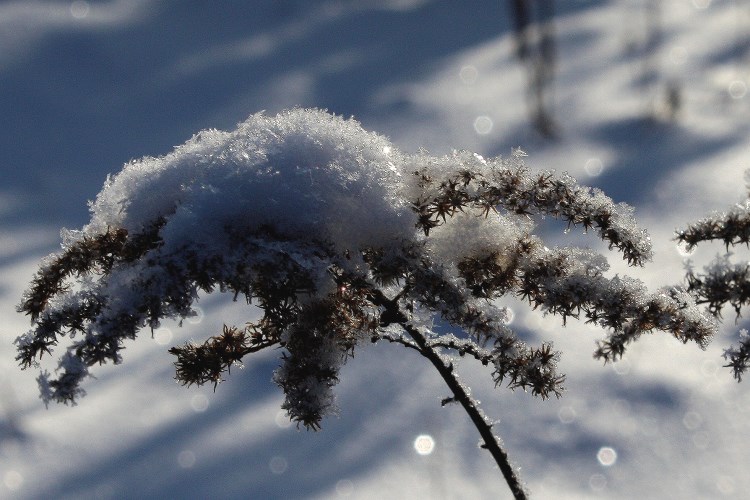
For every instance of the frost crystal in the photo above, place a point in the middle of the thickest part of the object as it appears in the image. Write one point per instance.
(722, 282)
(307, 174)
(338, 237)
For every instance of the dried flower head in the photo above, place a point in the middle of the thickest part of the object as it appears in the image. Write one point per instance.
(338, 237)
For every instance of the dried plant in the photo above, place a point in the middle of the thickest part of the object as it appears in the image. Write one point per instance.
(723, 282)
(340, 239)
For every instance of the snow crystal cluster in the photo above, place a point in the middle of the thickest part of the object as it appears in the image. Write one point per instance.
(723, 282)
(338, 236)
(307, 174)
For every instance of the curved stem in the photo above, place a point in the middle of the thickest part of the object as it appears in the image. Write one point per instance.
(491, 442)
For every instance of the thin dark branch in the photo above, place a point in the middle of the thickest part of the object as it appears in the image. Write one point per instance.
(462, 347)
(398, 339)
(491, 442)
(260, 346)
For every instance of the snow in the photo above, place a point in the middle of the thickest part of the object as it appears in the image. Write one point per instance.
(303, 193)
(82, 100)
(306, 173)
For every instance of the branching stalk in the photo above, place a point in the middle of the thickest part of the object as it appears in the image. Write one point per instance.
(491, 442)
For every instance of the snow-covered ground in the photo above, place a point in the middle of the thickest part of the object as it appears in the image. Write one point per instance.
(87, 86)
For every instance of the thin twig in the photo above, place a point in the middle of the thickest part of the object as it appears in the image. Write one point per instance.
(491, 442)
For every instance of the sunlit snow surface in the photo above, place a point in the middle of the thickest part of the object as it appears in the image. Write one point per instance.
(89, 86)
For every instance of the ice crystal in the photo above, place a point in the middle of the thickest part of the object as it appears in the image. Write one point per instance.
(339, 237)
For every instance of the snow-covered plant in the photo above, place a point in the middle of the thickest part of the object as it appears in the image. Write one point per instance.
(340, 239)
(723, 282)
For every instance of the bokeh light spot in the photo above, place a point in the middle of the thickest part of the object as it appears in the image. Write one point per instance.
(199, 403)
(278, 465)
(737, 89)
(424, 444)
(163, 336)
(79, 9)
(344, 488)
(197, 316)
(186, 459)
(566, 414)
(621, 366)
(700, 440)
(483, 125)
(725, 485)
(692, 420)
(593, 167)
(282, 420)
(606, 456)
(468, 74)
(13, 480)
(597, 482)
(678, 55)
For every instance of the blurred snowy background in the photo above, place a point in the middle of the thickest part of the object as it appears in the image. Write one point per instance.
(649, 102)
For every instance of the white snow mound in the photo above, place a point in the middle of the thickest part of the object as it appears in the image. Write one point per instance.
(304, 172)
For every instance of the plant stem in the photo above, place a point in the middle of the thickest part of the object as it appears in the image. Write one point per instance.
(491, 442)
